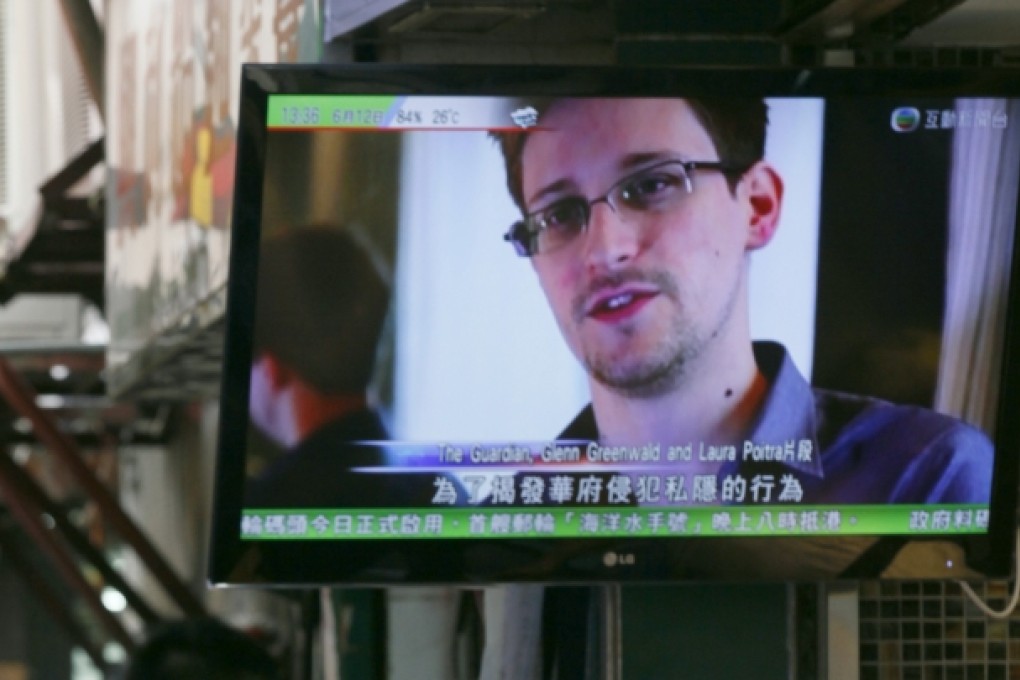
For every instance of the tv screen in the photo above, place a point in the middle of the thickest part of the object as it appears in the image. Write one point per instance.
(579, 324)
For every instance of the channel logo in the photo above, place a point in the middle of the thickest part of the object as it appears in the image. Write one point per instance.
(905, 119)
(526, 117)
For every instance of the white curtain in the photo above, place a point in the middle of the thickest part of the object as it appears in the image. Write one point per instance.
(982, 215)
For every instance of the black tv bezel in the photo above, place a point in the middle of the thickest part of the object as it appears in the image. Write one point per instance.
(443, 561)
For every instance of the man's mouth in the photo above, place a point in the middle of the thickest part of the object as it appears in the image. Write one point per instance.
(616, 306)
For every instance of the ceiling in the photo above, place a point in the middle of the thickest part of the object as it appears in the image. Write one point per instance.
(673, 31)
(993, 23)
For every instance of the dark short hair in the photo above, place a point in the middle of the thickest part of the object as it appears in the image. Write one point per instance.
(736, 126)
(321, 304)
(202, 648)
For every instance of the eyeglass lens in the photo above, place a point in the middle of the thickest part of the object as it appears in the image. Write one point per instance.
(655, 189)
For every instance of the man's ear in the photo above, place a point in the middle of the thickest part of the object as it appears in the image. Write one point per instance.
(764, 190)
(278, 374)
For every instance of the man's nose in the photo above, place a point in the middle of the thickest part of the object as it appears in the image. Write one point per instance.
(609, 241)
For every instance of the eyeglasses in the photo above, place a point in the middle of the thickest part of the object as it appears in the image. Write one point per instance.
(655, 189)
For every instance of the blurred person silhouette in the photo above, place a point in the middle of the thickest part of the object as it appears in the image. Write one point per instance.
(321, 307)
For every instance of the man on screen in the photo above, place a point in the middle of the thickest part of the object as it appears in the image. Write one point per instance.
(640, 217)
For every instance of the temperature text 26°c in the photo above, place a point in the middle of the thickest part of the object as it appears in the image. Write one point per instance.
(445, 117)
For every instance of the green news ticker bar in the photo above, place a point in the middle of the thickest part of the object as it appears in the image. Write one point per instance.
(603, 522)
(326, 111)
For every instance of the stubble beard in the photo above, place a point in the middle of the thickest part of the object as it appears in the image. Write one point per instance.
(666, 365)
(655, 374)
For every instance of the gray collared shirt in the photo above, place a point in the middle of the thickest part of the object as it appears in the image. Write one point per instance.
(845, 448)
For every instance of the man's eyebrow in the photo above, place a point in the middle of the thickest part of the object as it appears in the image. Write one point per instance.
(629, 162)
(637, 160)
(558, 187)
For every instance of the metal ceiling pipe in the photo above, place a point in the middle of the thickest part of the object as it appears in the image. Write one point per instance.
(21, 398)
(36, 496)
(31, 521)
(56, 606)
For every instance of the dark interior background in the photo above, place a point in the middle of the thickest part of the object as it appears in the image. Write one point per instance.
(882, 249)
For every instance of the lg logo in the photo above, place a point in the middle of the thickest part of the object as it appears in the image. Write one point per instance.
(611, 559)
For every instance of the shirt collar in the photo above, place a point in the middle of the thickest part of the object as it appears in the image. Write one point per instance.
(788, 411)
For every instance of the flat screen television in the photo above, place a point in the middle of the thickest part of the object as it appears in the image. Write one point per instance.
(588, 324)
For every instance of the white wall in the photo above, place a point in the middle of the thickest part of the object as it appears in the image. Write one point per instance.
(784, 274)
(479, 356)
